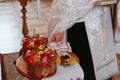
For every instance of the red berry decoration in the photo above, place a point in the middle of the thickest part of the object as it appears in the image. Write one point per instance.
(40, 59)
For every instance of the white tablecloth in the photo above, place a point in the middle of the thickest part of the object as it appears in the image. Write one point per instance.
(73, 72)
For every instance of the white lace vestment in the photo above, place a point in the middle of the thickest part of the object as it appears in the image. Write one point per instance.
(117, 29)
(99, 30)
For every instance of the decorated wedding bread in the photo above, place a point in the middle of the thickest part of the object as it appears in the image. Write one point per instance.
(40, 59)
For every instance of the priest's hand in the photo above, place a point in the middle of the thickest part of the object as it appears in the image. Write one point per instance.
(57, 37)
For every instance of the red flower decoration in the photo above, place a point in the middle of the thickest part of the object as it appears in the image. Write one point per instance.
(45, 61)
(43, 40)
(37, 43)
(30, 58)
(26, 45)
